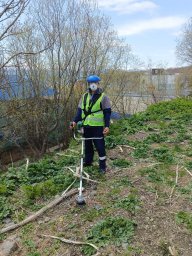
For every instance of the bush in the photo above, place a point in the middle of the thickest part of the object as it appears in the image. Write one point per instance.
(114, 230)
(163, 155)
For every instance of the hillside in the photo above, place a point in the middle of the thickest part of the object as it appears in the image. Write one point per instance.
(141, 207)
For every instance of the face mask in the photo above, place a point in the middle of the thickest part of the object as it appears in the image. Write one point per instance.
(93, 87)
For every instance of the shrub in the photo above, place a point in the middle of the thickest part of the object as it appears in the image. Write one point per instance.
(114, 230)
(163, 155)
(184, 218)
(130, 203)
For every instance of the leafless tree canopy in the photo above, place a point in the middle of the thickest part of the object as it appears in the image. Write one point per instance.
(10, 13)
(55, 46)
(184, 45)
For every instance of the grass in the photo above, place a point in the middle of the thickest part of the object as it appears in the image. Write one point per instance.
(122, 163)
(112, 211)
(130, 203)
(184, 218)
(112, 230)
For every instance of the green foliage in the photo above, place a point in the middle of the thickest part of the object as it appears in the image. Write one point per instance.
(47, 168)
(163, 155)
(187, 190)
(47, 188)
(3, 189)
(127, 126)
(5, 208)
(141, 150)
(188, 152)
(130, 203)
(41, 180)
(177, 148)
(114, 230)
(182, 136)
(88, 250)
(135, 124)
(179, 108)
(158, 175)
(92, 214)
(189, 165)
(112, 141)
(31, 246)
(155, 138)
(122, 163)
(184, 218)
(124, 181)
(132, 251)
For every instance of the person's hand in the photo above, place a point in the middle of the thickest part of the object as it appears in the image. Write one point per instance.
(72, 125)
(106, 130)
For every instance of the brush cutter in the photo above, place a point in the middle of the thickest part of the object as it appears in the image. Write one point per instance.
(80, 199)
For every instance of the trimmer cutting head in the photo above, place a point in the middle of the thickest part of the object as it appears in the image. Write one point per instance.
(80, 200)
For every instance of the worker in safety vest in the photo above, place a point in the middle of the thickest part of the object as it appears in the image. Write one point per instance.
(94, 111)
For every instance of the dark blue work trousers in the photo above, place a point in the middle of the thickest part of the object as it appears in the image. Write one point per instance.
(97, 132)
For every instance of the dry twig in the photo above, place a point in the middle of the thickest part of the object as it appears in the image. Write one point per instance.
(176, 180)
(120, 148)
(27, 164)
(126, 146)
(68, 241)
(188, 171)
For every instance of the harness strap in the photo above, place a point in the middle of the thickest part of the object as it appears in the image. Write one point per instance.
(91, 103)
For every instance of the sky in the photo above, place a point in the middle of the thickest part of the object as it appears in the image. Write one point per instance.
(150, 27)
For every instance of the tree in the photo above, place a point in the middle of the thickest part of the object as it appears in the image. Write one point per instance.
(10, 13)
(82, 41)
(184, 44)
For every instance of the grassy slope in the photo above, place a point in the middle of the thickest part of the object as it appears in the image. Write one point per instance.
(137, 208)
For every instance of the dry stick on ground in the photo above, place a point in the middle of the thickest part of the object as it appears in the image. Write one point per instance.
(152, 164)
(188, 171)
(126, 146)
(176, 180)
(120, 148)
(86, 174)
(73, 242)
(27, 164)
(172, 251)
(62, 154)
(42, 210)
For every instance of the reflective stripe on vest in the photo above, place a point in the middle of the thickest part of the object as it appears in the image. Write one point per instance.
(93, 119)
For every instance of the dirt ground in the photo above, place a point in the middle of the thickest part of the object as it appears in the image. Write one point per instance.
(156, 231)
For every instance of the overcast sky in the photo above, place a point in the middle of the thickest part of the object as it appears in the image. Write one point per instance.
(149, 26)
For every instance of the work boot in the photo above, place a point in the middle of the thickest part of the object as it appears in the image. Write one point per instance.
(102, 171)
(102, 165)
(87, 164)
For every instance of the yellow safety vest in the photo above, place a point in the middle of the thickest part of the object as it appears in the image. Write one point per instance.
(92, 113)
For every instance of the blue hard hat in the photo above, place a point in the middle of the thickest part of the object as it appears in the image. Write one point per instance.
(93, 79)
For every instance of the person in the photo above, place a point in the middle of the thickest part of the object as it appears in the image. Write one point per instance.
(94, 110)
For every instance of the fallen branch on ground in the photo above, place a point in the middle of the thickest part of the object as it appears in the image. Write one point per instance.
(120, 148)
(176, 181)
(73, 242)
(126, 146)
(62, 154)
(172, 251)
(188, 171)
(42, 210)
(27, 164)
(152, 165)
